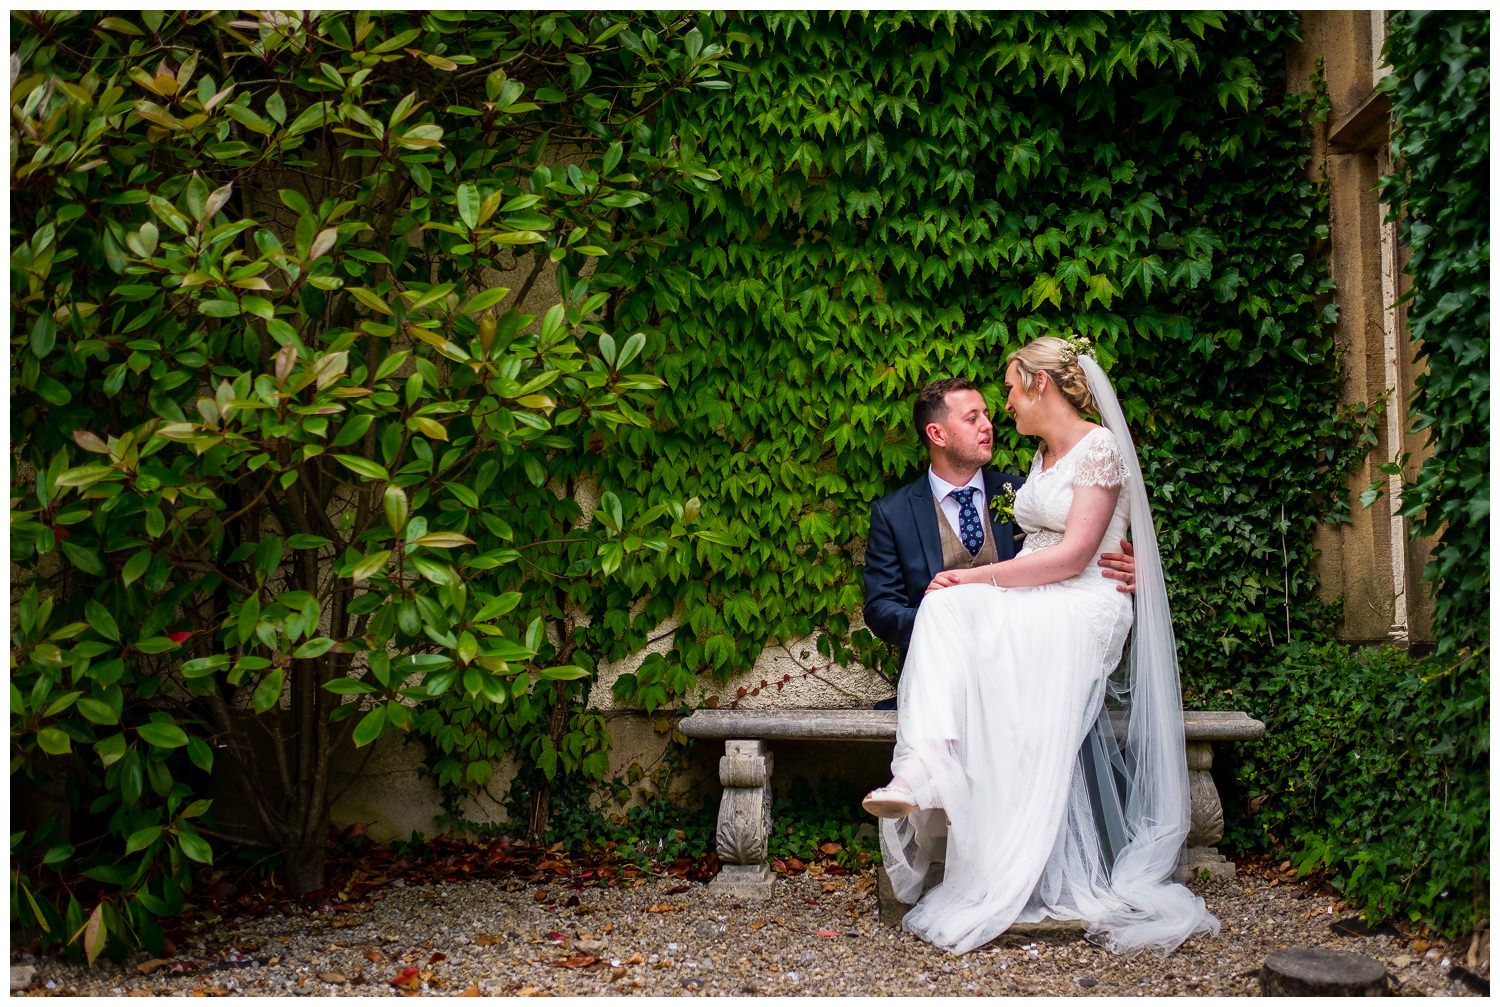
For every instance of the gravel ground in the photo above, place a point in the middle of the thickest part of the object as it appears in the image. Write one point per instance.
(819, 935)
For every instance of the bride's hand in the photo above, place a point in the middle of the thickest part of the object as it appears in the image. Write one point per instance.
(948, 578)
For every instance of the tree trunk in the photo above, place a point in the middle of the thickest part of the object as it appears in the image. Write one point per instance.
(541, 801)
(304, 867)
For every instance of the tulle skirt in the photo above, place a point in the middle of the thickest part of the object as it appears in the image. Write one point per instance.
(1002, 691)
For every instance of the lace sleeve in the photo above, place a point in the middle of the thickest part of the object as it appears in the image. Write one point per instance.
(1101, 464)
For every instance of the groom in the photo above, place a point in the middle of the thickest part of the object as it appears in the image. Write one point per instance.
(944, 520)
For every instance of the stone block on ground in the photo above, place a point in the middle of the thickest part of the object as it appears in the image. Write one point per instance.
(1321, 972)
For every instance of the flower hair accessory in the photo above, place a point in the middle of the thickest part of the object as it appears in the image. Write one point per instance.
(1078, 346)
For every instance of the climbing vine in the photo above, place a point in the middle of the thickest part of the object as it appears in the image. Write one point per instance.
(1440, 145)
(908, 195)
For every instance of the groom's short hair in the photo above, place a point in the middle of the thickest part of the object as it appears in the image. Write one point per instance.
(932, 403)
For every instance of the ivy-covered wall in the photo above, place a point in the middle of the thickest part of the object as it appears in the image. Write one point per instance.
(912, 195)
(1440, 145)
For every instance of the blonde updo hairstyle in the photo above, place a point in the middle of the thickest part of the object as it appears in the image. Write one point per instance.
(1055, 358)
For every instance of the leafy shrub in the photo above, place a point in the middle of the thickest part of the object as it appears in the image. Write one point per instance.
(823, 823)
(288, 463)
(1374, 772)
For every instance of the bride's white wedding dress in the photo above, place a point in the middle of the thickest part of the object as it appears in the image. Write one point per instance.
(1004, 740)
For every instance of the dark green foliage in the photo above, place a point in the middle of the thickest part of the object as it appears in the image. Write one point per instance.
(1374, 772)
(911, 195)
(823, 823)
(1440, 98)
(288, 466)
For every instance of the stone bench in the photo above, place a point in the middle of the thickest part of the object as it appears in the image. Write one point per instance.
(744, 827)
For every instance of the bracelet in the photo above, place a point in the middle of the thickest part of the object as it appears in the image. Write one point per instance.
(992, 576)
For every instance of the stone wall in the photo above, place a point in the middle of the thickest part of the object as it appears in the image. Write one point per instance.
(1370, 563)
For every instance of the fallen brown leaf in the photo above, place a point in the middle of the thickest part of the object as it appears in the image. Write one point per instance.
(635, 959)
(146, 968)
(374, 956)
(618, 973)
(576, 962)
(541, 896)
(757, 924)
(337, 978)
(665, 907)
(679, 889)
(485, 940)
(437, 956)
(472, 991)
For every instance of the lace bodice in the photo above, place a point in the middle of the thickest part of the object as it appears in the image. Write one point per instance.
(1043, 502)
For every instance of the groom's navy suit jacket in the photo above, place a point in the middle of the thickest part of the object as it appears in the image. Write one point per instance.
(904, 553)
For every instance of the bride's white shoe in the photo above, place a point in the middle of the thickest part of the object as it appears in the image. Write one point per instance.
(890, 801)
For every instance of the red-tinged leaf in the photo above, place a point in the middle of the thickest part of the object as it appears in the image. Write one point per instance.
(555, 937)
(665, 907)
(90, 442)
(437, 956)
(829, 933)
(831, 848)
(408, 978)
(374, 956)
(576, 962)
(179, 636)
(679, 889)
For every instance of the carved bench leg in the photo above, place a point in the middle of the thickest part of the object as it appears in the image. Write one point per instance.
(1206, 823)
(744, 831)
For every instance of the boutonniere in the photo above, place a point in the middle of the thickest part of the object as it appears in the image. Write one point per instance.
(1003, 505)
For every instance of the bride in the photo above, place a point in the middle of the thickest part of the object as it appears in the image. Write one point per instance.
(1047, 787)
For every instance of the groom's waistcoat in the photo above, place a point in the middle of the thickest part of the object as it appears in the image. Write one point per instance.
(955, 556)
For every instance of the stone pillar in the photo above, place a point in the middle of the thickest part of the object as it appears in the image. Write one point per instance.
(744, 831)
(1206, 819)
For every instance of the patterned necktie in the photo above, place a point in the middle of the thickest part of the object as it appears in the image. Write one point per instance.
(970, 529)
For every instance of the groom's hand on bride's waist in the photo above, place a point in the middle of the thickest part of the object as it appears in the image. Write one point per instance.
(1120, 566)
